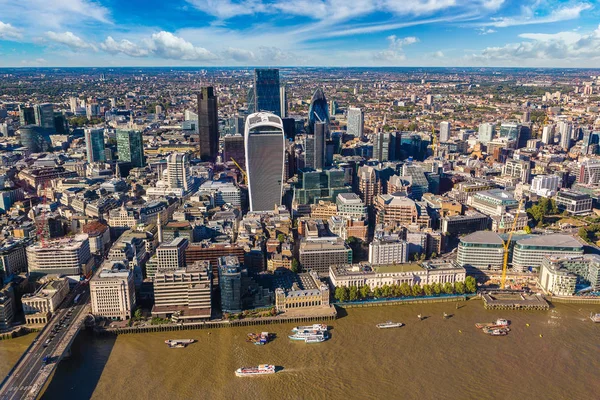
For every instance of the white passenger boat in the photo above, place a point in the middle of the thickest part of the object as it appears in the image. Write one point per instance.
(389, 324)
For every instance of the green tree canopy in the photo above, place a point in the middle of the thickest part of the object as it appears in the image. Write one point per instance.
(353, 295)
(342, 293)
(470, 284)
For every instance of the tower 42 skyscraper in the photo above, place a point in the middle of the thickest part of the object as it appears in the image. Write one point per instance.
(208, 123)
(265, 153)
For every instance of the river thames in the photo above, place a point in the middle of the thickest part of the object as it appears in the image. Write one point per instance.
(556, 357)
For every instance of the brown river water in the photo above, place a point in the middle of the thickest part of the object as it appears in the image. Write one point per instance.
(556, 357)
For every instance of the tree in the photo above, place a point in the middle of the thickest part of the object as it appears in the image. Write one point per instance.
(422, 257)
(434, 255)
(417, 290)
(416, 257)
(295, 266)
(427, 290)
(377, 292)
(527, 229)
(405, 289)
(470, 284)
(448, 288)
(281, 238)
(137, 314)
(385, 291)
(437, 288)
(459, 287)
(341, 294)
(365, 291)
(396, 292)
(353, 295)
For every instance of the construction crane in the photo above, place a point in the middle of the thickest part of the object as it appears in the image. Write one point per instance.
(507, 245)
(241, 170)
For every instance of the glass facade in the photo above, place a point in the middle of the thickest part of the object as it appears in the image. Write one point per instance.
(94, 145)
(320, 185)
(208, 124)
(130, 146)
(267, 91)
(318, 110)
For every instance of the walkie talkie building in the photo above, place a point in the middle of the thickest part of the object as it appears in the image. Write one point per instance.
(265, 152)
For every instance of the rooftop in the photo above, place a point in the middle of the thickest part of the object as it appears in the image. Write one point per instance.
(483, 237)
(557, 240)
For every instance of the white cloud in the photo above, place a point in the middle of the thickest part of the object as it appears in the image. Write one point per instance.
(438, 54)
(9, 32)
(531, 15)
(545, 49)
(486, 31)
(225, 9)
(40, 14)
(162, 44)
(395, 50)
(69, 39)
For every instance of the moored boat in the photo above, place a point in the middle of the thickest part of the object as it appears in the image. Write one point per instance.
(314, 327)
(498, 322)
(315, 339)
(310, 337)
(389, 324)
(260, 339)
(595, 317)
(179, 343)
(496, 332)
(263, 369)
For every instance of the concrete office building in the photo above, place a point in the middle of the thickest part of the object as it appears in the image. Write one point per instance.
(545, 185)
(517, 168)
(444, 131)
(112, 291)
(178, 171)
(548, 134)
(184, 294)
(397, 209)
(472, 221)
(265, 154)
(233, 148)
(388, 250)
(486, 132)
(355, 122)
(208, 124)
(350, 205)
(171, 256)
(7, 307)
(66, 256)
(317, 254)
(573, 202)
(492, 202)
(39, 306)
(13, 259)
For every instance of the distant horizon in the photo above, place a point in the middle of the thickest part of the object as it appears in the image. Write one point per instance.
(295, 67)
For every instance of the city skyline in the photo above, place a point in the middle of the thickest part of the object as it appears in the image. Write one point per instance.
(288, 33)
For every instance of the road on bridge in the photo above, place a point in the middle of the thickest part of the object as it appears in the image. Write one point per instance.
(27, 378)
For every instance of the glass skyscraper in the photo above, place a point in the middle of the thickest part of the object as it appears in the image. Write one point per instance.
(130, 147)
(208, 124)
(264, 143)
(318, 110)
(94, 144)
(44, 116)
(320, 185)
(267, 91)
(355, 122)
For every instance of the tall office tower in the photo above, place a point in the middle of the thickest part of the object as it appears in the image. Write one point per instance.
(267, 91)
(73, 104)
(94, 144)
(230, 283)
(565, 129)
(208, 124)
(355, 122)
(486, 132)
(315, 147)
(333, 107)
(26, 116)
(44, 115)
(130, 147)
(384, 146)
(283, 101)
(289, 128)
(587, 140)
(264, 143)
(510, 131)
(251, 101)
(61, 125)
(526, 116)
(318, 110)
(548, 134)
(178, 171)
(444, 131)
(34, 138)
(233, 147)
(429, 100)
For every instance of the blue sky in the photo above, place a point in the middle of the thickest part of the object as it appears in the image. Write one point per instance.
(545, 33)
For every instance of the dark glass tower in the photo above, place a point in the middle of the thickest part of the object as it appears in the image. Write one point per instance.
(318, 110)
(208, 124)
(267, 91)
(315, 147)
(94, 145)
(130, 147)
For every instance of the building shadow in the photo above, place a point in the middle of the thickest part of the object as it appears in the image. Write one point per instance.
(76, 377)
